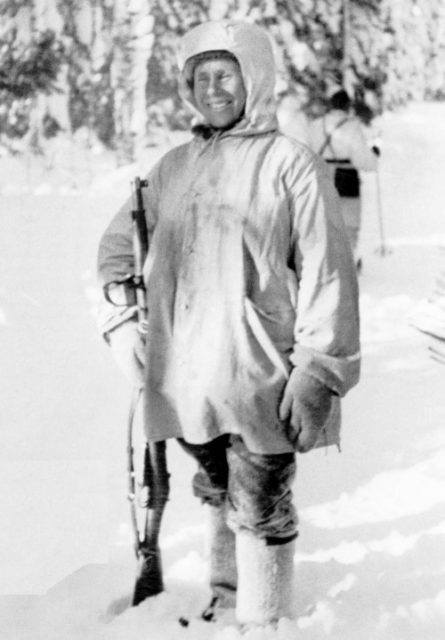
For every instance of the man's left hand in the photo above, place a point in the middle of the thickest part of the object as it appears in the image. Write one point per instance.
(306, 404)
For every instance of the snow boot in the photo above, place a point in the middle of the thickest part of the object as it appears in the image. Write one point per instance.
(223, 573)
(265, 580)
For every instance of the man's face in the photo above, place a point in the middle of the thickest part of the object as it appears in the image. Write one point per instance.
(219, 91)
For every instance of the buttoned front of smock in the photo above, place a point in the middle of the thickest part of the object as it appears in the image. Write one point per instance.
(233, 305)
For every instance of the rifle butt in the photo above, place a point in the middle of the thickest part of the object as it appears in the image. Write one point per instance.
(149, 579)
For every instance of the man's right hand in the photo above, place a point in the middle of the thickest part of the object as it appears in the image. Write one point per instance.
(128, 349)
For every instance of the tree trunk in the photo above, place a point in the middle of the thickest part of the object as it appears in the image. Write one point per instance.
(133, 40)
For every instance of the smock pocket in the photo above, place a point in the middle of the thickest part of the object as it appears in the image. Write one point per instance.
(273, 333)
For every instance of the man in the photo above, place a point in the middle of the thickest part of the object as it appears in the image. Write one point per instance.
(338, 137)
(252, 322)
(292, 119)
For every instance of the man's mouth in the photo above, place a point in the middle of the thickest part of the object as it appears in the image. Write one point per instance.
(218, 106)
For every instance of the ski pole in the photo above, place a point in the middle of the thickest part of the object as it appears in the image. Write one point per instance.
(382, 249)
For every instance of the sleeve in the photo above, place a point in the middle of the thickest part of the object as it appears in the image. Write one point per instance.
(327, 320)
(362, 156)
(115, 260)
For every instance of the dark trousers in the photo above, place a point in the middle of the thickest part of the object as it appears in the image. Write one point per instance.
(257, 487)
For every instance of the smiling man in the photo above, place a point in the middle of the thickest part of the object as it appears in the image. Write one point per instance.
(252, 312)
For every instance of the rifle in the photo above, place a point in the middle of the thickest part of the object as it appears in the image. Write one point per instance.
(155, 476)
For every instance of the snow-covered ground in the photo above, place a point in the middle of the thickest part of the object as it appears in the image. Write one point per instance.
(370, 561)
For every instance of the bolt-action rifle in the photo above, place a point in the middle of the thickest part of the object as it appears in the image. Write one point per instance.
(155, 477)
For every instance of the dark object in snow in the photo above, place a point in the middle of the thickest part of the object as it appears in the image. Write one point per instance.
(208, 615)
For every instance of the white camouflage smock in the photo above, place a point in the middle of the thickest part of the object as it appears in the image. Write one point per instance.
(249, 271)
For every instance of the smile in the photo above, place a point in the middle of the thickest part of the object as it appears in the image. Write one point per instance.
(218, 106)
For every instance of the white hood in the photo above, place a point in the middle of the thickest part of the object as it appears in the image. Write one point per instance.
(252, 48)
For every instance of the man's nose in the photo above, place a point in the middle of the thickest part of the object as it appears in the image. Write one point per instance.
(214, 85)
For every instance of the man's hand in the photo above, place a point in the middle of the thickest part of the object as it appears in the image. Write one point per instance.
(128, 349)
(306, 404)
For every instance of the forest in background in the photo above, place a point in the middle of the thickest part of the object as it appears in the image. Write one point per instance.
(106, 68)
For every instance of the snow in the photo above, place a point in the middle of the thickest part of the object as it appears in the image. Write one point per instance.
(370, 559)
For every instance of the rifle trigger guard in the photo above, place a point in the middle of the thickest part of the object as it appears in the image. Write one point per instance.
(129, 283)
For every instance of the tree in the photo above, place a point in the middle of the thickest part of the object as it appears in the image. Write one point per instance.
(111, 63)
(27, 70)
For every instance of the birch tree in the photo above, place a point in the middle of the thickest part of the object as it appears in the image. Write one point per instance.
(132, 45)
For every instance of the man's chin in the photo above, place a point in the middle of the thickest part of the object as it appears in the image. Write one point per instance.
(221, 120)
(222, 123)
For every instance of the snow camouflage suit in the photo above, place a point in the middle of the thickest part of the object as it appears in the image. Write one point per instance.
(249, 272)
